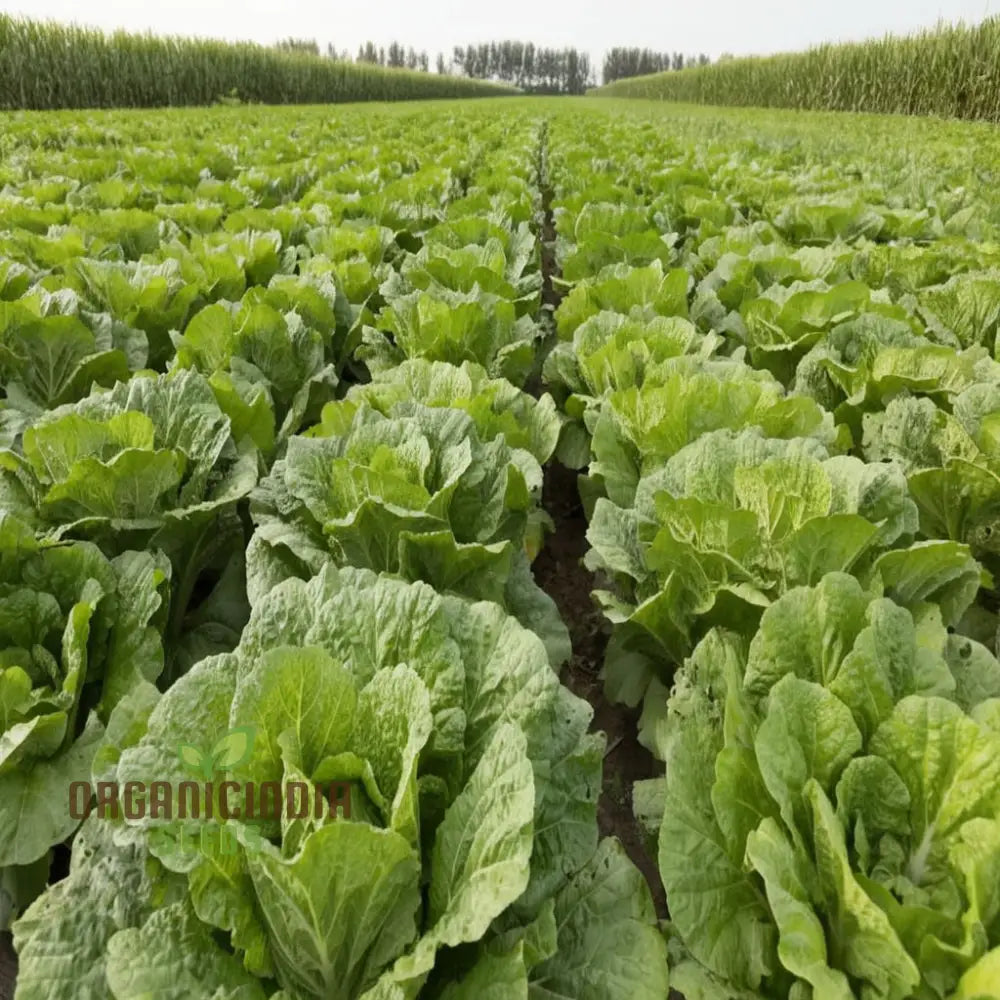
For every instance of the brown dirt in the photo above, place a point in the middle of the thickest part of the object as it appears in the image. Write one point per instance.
(551, 296)
(559, 570)
(8, 967)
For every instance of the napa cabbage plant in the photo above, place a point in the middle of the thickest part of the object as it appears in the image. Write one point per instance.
(52, 352)
(638, 292)
(732, 521)
(470, 855)
(521, 249)
(78, 634)
(154, 297)
(415, 491)
(483, 267)
(613, 351)
(454, 327)
(497, 407)
(270, 370)
(864, 364)
(831, 806)
(149, 464)
(604, 234)
(608, 352)
(356, 252)
(635, 430)
(952, 462)
(963, 311)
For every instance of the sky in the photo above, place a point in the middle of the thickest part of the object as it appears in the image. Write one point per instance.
(710, 26)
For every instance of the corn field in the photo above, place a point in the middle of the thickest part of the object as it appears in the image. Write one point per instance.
(45, 66)
(952, 71)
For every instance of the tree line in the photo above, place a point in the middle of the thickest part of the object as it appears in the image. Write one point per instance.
(394, 55)
(622, 63)
(536, 69)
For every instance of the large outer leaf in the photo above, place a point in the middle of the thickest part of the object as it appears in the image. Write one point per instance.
(340, 910)
(802, 945)
(302, 690)
(950, 766)
(62, 939)
(717, 907)
(482, 849)
(608, 944)
(864, 942)
(174, 956)
(35, 812)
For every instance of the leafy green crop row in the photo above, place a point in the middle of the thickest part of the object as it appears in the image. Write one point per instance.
(276, 414)
(269, 497)
(952, 71)
(44, 66)
(778, 359)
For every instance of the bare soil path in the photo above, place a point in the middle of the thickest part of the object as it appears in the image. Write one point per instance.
(559, 570)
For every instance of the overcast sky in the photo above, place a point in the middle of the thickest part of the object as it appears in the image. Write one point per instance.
(689, 26)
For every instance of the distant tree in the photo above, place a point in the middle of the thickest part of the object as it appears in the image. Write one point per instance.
(442, 68)
(301, 46)
(395, 56)
(423, 62)
(573, 78)
(703, 60)
(368, 53)
(622, 63)
(525, 65)
(515, 55)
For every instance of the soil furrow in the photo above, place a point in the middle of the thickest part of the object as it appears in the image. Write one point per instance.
(559, 570)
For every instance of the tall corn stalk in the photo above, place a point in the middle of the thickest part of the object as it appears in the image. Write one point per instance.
(44, 65)
(951, 70)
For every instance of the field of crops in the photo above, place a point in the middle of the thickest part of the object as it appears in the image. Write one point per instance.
(48, 66)
(600, 501)
(952, 71)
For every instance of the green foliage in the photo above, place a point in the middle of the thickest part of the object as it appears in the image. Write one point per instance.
(831, 802)
(472, 778)
(273, 440)
(79, 634)
(950, 71)
(414, 491)
(47, 66)
(789, 470)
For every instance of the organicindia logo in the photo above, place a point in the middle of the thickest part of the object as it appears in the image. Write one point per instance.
(200, 807)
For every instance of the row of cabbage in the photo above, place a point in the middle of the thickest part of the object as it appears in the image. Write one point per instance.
(269, 494)
(778, 360)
